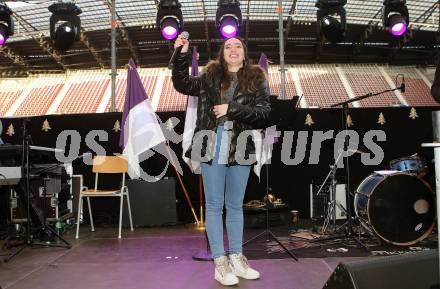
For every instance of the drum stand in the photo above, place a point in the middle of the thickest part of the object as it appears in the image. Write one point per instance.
(333, 204)
(331, 210)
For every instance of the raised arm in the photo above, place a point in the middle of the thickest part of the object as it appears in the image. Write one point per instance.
(182, 81)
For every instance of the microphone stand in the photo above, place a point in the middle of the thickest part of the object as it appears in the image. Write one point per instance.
(348, 224)
(204, 255)
(269, 234)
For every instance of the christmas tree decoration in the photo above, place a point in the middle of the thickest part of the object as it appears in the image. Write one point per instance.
(309, 120)
(11, 130)
(381, 120)
(350, 122)
(46, 126)
(117, 126)
(169, 124)
(413, 114)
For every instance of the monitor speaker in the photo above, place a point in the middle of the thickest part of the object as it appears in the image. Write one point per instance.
(406, 271)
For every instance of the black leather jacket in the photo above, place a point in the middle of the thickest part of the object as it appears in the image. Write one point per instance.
(247, 111)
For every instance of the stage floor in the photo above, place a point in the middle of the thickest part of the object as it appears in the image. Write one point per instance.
(150, 258)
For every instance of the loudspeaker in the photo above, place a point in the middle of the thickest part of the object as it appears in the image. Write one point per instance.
(406, 271)
(152, 204)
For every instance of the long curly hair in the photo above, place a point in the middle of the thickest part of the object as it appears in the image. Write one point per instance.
(247, 75)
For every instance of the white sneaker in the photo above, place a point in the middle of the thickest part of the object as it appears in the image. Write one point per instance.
(240, 267)
(223, 273)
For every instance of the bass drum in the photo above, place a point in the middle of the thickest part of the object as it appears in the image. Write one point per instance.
(398, 207)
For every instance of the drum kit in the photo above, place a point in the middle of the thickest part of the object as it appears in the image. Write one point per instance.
(397, 205)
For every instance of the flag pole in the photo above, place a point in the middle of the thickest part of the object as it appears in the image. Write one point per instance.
(202, 223)
(182, 185)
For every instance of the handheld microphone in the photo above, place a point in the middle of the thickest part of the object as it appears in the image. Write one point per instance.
(176, 52)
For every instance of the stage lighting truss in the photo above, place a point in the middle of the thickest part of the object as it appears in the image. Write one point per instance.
(395, 17)
(67, 22)
(331, 20)
(169, 18)
(6, 23)
(228, 18)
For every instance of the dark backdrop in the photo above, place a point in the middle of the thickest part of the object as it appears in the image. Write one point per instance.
(291, 183)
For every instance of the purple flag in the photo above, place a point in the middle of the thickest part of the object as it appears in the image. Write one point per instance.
(195, 62)
(263, 63)
(134, 94)
(141, 130)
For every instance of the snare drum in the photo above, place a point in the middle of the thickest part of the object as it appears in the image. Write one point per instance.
(398, 207)
(412, 164)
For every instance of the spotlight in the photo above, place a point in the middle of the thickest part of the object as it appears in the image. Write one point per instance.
(228, 17)
(3, 34)
(395, 17)
(170, 29)
(331, 19)
(65, 14)
(64, 36)
(169, 18)
(6, 23)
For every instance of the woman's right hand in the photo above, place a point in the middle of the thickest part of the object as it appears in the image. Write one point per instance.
(181, 41)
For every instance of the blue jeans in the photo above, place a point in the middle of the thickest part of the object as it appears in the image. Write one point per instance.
(224, 185)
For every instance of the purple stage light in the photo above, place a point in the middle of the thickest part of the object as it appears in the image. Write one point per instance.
(398, 29)
(398, 25)
(228, 27)
(3, 34)
(169, 28)
(169, 32)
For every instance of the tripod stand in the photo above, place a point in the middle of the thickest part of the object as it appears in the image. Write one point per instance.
(268, 232)
(44, 228)
(333, 203)
(204, 255)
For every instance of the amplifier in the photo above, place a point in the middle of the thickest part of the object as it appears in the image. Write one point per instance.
(319, 203)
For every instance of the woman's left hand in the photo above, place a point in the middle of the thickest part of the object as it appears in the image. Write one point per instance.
(220, 110)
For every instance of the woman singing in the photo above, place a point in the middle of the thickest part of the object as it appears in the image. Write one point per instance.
(232, 99)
